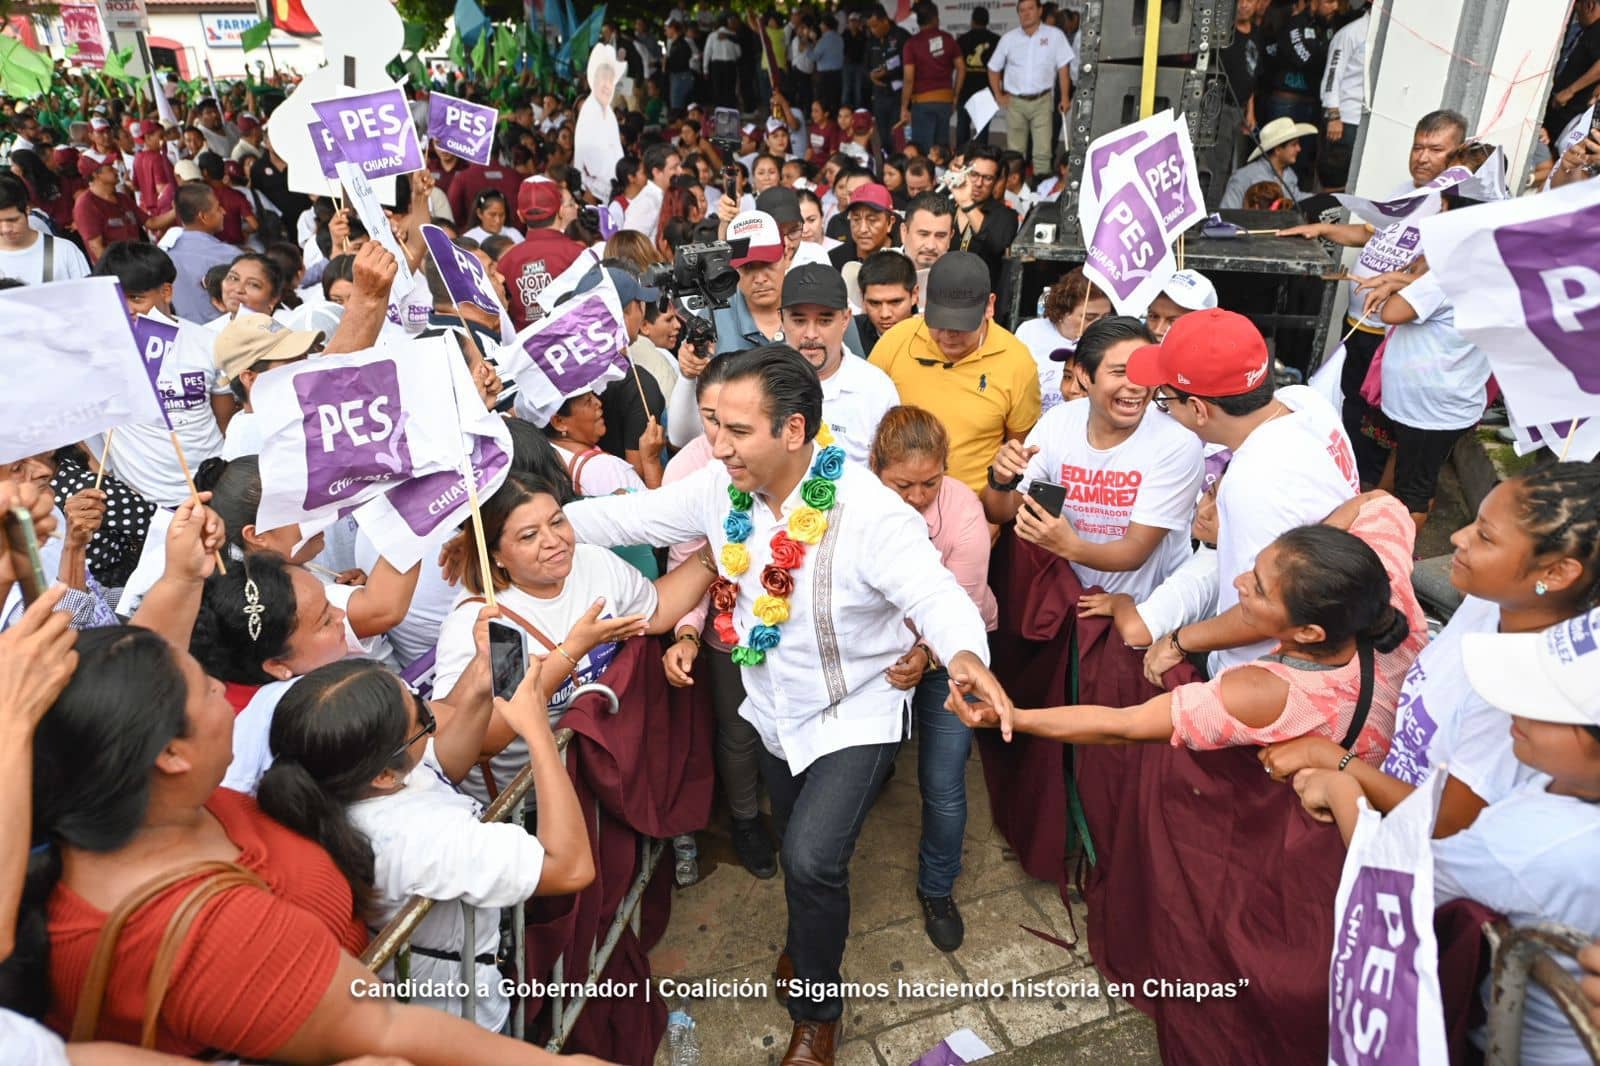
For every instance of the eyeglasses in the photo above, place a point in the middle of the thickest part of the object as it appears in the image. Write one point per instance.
(1164, 401)
(973, 175)
(426, 725)
(935, 362)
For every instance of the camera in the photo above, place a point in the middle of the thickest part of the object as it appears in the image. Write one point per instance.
(700, 275)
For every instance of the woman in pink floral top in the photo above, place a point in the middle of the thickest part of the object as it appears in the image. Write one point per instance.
(1332, 599)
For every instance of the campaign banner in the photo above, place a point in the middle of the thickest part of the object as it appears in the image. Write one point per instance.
(462, 273)
(327, 149)
(373, 131)
(581, 346)
(410, 520)
(1384, 1005)
(66, 385)
(81, 26)
(340, 430)
(155, 340)
(1129, 256)
(1118, 142)
(1524, 276)
(461, 127)
(1166, 165)
(364, 198)
(1382, 213)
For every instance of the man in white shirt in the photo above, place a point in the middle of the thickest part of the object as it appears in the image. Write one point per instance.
(1131, 476)
(661, 164)
(1028, 65)
(1292, 463)
(1344, 93)
(26, 254)
(858, 565)
(855, 394)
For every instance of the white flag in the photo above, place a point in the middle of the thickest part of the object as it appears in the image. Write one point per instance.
(70, 367)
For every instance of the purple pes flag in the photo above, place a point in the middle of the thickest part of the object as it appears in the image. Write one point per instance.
(374, 131)
(462, 128)
(355, 432)
(581, 346)
(328, 155)
(1129, 257)
(1166, 166)
(462, 273)
(155, 340)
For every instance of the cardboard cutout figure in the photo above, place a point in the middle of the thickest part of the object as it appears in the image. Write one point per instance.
(597, 143)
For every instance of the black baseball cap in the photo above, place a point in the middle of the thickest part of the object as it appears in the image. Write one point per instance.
(958, 292)
(781, 203)
(814, 283)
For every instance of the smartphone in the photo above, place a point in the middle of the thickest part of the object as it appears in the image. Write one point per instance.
(22, 544)
(1049, 495)
(508, 663)
(725, 124)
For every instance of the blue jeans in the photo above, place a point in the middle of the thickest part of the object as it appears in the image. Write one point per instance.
(679, 88)
(820, 814)
(930, 125)
(943, 744)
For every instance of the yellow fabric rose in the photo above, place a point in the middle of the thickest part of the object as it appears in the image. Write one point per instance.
(735, 559)
(807, 525)
(772, 610)
(824, 435)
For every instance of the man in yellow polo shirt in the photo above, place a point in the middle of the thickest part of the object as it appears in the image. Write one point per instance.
(956, 362)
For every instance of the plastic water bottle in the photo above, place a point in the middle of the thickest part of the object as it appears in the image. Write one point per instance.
(1043, 296)
(686, 853)
(683, 1043)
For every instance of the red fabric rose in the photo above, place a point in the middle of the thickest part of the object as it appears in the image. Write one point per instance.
(787, 554)
(724, 627)
(724, 594)
(777, 581)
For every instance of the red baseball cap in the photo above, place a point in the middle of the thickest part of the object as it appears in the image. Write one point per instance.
(1206, 353)
(872, 195)
(538, 198)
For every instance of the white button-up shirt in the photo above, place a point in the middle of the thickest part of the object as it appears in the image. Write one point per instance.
(1344, 78)
(1027, 63)
(854, 399)
(823, 688)
(644, 211)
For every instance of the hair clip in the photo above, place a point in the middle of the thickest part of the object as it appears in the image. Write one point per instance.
(253, 608)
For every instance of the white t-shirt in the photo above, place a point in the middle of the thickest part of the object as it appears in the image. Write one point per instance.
(1433, 377)
(28, 1043)
(431, 603)
(596, 574)
(244, 436)
(1441, 720)
(142, 453)
(1150, 479)
(854, 400)
(427, 841)
(1042, 337)
(28, 264)
(479, 234)
(1292, 471)
(1188, 595)
(1393, 247)
(1532, 856)
(252, 752)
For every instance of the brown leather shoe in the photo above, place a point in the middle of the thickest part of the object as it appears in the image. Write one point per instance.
(782, 974)
(813, 1044)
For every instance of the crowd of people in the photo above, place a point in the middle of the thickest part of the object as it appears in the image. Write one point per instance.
(229, 779)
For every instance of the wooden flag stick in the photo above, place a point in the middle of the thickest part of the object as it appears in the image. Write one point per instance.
(177, 446)
(1573, 432)
(105, 452)
(1180, 251)
(1262, 232)
(637, 382)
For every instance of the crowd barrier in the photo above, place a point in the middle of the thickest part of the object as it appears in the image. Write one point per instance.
(393, 942)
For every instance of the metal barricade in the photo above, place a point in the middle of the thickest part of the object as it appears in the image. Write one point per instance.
(393, 942)
(1531, 952)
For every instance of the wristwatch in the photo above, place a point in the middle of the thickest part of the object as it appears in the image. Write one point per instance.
(1003, 486)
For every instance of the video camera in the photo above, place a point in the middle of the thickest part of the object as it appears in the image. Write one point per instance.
(700, 277)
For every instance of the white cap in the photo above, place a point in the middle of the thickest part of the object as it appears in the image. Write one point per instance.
(1553, 676)
(774, 124)
(186, 170)
(766, 242)
(1191, 290)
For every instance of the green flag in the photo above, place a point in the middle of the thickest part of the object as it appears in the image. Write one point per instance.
(506, 49)
(416, 37)
(480, 52)
(24, 73)
(457, 53)
(256, 35)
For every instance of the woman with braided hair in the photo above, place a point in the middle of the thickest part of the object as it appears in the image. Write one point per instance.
(1529, 561)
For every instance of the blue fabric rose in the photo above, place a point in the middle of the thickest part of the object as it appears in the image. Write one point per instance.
(829, 463)
(763, 637)
(738, 526)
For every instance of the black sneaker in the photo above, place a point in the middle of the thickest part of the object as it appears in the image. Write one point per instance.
(754, 847)
(942, 920)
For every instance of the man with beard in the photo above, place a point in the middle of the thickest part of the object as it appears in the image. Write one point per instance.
(855, 394)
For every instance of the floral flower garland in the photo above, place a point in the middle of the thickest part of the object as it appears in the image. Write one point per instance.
(806, 526)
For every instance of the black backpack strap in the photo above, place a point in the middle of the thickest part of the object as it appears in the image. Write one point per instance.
(49, 257)
(1365, 653)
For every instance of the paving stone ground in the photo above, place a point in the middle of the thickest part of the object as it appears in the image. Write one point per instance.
(729, 927)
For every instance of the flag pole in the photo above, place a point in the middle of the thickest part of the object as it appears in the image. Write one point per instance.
(105, 452)
(1573, 432)
(177, 446)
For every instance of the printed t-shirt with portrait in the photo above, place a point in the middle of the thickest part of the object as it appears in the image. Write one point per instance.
(596, 574)
(1150, 479)
(142, 453)
(1292, 470)
(1441, 721)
